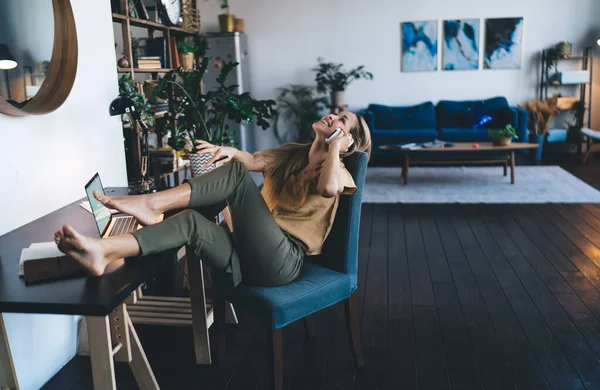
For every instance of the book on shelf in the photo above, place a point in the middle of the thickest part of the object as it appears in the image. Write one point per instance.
(144, 58)
(157, 47)
(141, 9)
(175, 63)
(43, 262)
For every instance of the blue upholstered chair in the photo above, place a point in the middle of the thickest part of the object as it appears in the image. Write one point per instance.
(326, 279)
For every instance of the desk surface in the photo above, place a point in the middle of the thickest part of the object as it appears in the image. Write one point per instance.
(84, 295)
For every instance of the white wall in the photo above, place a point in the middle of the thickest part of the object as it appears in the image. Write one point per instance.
(287, 36)
(46, 161)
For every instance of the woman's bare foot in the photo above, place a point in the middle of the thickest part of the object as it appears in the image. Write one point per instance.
(86, 250)
(136, 205)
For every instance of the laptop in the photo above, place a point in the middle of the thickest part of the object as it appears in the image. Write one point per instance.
(108, 226)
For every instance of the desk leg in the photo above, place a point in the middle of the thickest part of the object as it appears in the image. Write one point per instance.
(8, 377)
(115, 335)
(405, 169)
(103, 367)
(512, 167)
(199, 310)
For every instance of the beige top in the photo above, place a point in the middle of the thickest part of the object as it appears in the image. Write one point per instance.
(310, 219)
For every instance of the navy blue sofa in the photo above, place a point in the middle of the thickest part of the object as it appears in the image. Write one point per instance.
(447, 121)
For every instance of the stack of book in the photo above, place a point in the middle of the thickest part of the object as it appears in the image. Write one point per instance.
(149, 62)
(159, 109)
(164, 159)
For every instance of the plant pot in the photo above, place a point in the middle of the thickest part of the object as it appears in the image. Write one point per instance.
(226, 22)
(337, 98)
(187, 60)
(501, 141)
(239, 25)
(197, 162)
(148, 87)
(536, 154)
(563, 49)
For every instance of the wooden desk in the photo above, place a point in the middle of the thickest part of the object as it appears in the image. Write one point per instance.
(102, 300)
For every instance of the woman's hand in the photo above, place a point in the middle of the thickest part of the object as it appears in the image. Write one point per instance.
(221, 154)
(342, 143)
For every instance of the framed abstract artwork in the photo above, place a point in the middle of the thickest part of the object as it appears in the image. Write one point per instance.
(503, 43)
(419, 46)
(460, 44)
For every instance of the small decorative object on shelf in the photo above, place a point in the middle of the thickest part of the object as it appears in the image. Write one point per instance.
(564, 49)
(195, 115)
(226, 20)
(189, 15)
(123, 62)
(171, 10)
(502, 137)
(239, 25)
(333, 78)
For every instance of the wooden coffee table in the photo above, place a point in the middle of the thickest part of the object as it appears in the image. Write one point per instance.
(463, 148)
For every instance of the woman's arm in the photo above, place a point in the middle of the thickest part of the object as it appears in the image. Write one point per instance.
(330, 183)
(224, 154)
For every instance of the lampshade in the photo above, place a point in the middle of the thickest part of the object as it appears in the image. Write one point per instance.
(598, 42)
(121, 105)
(7, 61)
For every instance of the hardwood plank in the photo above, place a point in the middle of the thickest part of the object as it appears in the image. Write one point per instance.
(374, 324)
(432, 368)
(70, 374)
(590, 218)
(494, 275)
(582, 226)
(401, 370)
(420, 281)
(585, 321)
(462, 367)
(586, 291)
(366, 221)
(565, 246)
(493, 367)
(398, 281)
(554, 362)
(313, 359)
(534, 257)
(586, 246)
(436, 257)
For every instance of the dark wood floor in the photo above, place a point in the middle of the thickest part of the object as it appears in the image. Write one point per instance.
(450, 297)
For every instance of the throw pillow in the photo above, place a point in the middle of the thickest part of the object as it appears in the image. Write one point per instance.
(475, 116)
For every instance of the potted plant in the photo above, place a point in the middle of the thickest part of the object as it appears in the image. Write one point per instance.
(299, 105)
(194, 115)
(502, 137)
(226, 20)
(333, 78)
(187, 49)
(541, 113)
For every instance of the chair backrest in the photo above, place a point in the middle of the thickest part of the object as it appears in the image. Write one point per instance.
(340, 250)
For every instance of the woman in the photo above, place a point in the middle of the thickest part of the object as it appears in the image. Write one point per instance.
(271, 233)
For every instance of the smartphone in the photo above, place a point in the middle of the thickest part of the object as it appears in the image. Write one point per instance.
(336, 134)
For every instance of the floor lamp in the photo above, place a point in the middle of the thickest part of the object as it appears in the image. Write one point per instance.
(124, 105)
(7, 61)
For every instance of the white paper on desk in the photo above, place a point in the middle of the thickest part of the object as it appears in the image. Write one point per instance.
(39, 250)
(86, 205)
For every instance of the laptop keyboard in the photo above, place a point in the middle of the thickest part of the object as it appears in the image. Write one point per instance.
(123, 226)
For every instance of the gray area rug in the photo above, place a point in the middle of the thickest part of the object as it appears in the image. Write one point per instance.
(533, 184)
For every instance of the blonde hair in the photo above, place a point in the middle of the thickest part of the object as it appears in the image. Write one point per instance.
(291, 158)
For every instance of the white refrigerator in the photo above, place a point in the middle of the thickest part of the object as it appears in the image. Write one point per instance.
(224, 47)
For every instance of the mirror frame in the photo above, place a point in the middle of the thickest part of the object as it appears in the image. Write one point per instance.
(62, 69)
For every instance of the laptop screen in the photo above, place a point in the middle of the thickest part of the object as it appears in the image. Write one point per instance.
(101, 213)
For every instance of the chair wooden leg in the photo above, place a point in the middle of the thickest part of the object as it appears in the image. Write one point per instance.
(351, 306)
(309, 326)
(219, 327)
(275, 340)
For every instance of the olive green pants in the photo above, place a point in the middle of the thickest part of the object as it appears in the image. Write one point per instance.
(257, 249)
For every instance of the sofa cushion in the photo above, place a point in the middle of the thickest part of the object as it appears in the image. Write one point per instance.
(450, 113)
(392, 137)
(421, 116)
(464, 135)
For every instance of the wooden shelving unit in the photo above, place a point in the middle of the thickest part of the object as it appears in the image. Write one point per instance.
(127, 22)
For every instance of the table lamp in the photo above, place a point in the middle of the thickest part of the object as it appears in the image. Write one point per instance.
(124, 105)
(7, 61)
(598, 41)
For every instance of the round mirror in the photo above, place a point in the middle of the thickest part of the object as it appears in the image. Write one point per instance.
(38, 55)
